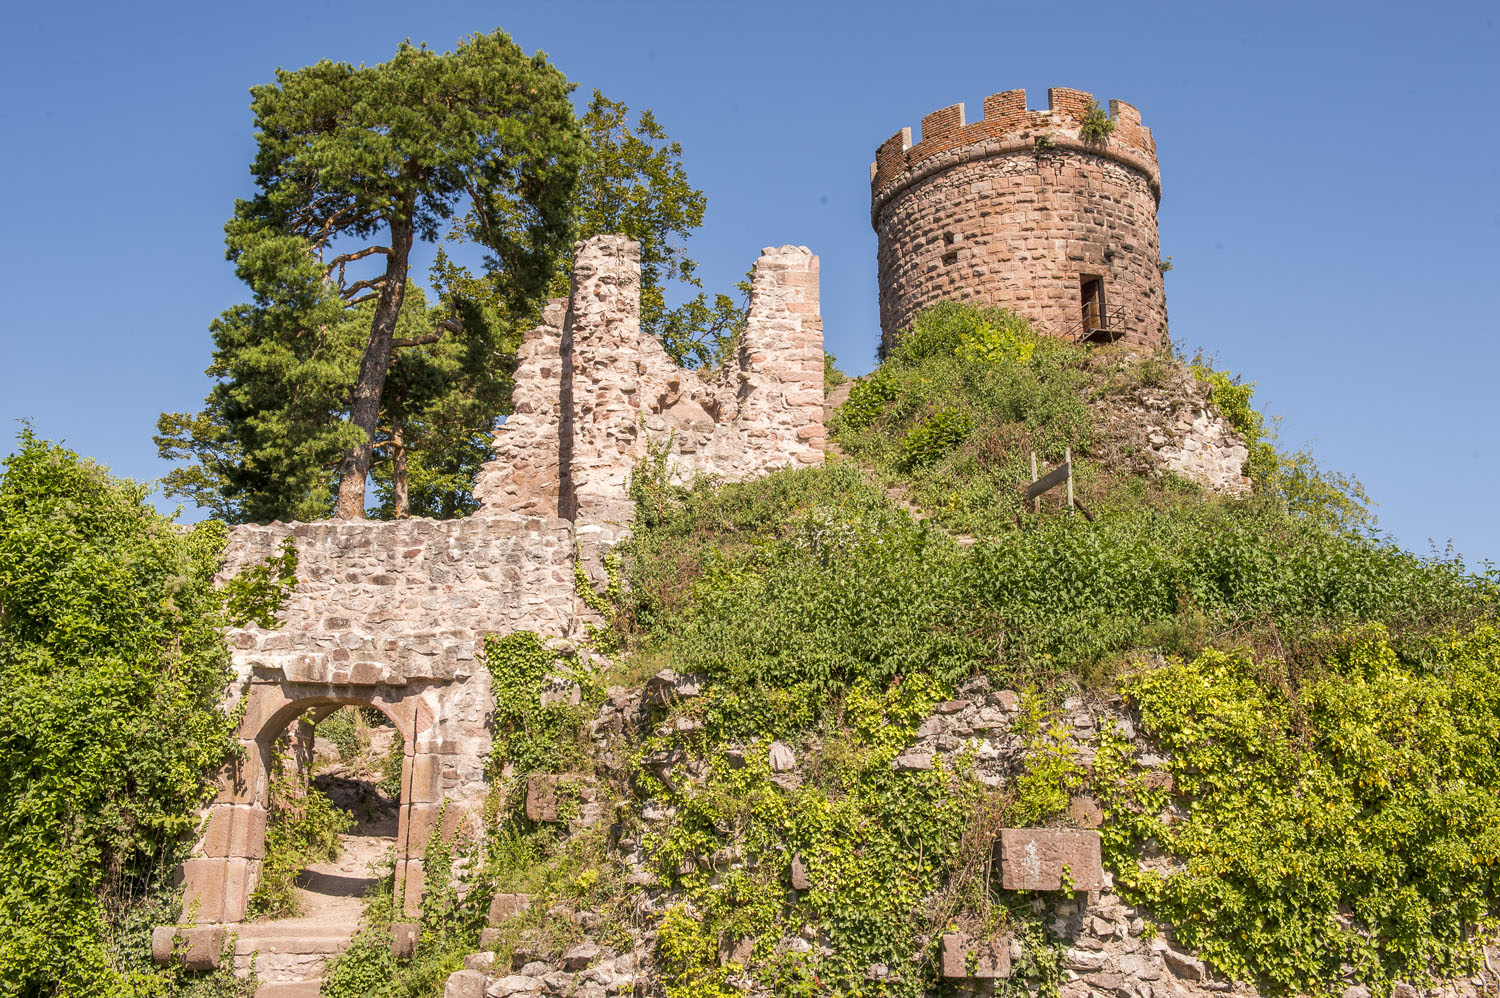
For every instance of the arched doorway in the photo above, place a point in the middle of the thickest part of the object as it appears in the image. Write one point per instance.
(225, 865)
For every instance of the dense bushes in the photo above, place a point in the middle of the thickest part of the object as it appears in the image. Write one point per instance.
(111, 636)
(1351, 817)
(1323, 696)
(778, 584)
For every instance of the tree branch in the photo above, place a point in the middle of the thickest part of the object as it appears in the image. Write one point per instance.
(344, 258)
(357, 286)
(362, 299)
(416, 341)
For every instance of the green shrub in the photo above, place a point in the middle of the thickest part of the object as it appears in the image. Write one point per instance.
(1346, 816)
(956, 409)
(528, 737)
(866, 399)
(764, 589)
(934, 437)
(1096, 126)
(112, 632)
(340, 728)
(832, 375)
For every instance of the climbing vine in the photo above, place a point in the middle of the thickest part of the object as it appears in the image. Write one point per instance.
(1346, 817)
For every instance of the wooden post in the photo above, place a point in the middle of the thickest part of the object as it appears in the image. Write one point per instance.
(1068, 457)
(1036, 504)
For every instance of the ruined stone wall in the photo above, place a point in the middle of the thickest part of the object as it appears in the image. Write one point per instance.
(593, 393)
(981, 212)
(1169, 426)
(524, 474)
(393, 615)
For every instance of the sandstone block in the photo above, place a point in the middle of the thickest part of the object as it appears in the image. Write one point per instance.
(464, 984)
(404, 940)
(507, 906)
(195, 948)
(1085, 812)
(955, 955)
(541, 797)
(1036, 859)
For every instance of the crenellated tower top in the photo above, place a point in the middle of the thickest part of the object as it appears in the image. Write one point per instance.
(1025, 210)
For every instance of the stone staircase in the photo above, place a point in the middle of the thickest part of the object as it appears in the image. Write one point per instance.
(289, 955)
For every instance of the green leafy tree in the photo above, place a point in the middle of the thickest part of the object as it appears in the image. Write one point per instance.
(441, 401)
(634, 183)
(356, 164)
(111, 633)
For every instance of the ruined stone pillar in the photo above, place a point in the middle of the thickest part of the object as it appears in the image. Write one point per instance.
(603, 329)
(781, 361)
(525, 474)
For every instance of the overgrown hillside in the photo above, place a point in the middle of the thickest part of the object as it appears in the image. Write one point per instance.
(1286, 723)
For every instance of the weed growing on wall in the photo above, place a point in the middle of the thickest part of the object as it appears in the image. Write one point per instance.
(530, 738)
(1097, 126)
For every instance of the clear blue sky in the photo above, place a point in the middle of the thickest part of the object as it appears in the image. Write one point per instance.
(1331, 177)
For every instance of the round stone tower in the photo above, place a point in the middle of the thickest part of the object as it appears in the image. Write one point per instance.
(1024, 210)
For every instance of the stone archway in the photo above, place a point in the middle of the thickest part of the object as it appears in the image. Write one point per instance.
(224, 866)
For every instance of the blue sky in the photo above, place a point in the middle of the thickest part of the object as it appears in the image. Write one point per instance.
(1331, 178)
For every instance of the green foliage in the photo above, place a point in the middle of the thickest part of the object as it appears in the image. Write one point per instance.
(1097, 126)
(870, 595)
(528, 737)
(633, 183)
(934, 437)
(955, 411)
(390, 770)
(866, 400)
(449, 924)
(821, 615)
(111, 632)
(303, 826)
(1295, 480)
(832, 375)
(1053, 772)
(876, 844)
(340, 729)
(689, 957)
(257, 592)
(353, 165)
(1348, 815)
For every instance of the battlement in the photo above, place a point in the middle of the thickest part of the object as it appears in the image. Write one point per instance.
(1008, 127)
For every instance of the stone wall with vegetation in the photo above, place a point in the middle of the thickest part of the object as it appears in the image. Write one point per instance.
(594, 393)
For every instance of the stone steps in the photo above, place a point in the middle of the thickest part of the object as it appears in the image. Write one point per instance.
(289, 989)
(290, 952)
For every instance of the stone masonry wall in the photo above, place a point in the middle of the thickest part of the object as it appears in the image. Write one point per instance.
(1169, 426)
(982, 212)
(593, 392)
(393, 615)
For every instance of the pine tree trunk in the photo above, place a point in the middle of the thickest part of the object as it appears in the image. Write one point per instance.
(364, 408)
(398, 469)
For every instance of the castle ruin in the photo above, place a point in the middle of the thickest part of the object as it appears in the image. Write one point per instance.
(394, 615)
